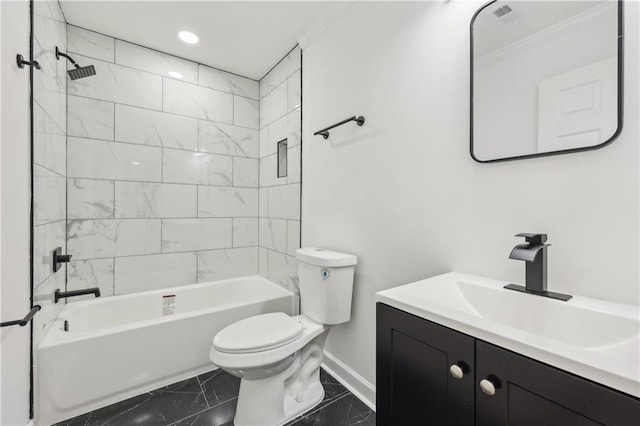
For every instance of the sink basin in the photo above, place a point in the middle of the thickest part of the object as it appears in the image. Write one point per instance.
(593, 338)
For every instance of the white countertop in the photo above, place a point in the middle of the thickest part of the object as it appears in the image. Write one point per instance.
(592, 338)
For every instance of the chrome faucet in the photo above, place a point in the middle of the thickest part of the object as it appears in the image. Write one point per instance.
(534, 253)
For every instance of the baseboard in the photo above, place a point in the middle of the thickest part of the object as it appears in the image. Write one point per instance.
(358, 385)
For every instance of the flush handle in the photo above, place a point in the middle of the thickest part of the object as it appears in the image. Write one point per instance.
(489, 385)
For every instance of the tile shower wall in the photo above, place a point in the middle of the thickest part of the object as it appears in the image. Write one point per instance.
(49, 158)
(163, 173)
(280, 119)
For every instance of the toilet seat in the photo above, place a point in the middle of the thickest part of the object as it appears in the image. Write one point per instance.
(258, 334)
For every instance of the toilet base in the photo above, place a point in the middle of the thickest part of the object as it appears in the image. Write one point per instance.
(274, 400)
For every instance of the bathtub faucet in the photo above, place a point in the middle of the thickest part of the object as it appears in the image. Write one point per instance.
(72, 293)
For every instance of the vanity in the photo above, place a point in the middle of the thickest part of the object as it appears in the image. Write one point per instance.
(457, 349)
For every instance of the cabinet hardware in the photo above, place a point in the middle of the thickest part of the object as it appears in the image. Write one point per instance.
(456, 371)
(487, 387)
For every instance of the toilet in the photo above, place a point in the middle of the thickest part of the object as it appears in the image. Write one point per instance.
(278, 356)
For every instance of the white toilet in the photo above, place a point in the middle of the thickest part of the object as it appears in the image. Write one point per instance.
(278, 356)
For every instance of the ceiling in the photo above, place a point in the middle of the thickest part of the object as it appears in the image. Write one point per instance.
(527, 18)
(243, 37)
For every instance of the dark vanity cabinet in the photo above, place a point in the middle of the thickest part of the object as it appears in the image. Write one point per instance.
(428, 374)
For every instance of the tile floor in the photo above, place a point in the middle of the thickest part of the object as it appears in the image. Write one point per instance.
(210, 400)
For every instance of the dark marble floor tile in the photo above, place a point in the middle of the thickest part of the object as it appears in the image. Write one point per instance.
(220, 415)
(158, 407)
(219, 386)
(332, 388)
(346, 410)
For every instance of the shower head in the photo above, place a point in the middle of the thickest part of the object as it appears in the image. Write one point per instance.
(81, 72)
(78, 71)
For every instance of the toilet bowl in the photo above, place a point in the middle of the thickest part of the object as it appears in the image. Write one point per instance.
(278, 381)
(278, 356)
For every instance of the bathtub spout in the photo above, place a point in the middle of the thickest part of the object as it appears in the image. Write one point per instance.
(72, 293)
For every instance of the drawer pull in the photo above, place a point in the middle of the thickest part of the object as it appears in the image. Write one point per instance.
(456, 371)
(487, 387)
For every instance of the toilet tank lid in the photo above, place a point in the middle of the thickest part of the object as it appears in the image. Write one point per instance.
(322, 257)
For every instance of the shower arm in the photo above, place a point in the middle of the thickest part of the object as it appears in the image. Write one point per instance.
(59, 53)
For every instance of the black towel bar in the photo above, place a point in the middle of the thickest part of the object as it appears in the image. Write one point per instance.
(24, 321)
(325, 132)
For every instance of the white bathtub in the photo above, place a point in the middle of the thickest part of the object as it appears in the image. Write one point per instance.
(122, 346)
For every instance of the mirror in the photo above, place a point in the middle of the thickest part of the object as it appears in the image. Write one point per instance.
(546, 78)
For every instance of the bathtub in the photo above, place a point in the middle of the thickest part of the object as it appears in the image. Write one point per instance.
(122, 346)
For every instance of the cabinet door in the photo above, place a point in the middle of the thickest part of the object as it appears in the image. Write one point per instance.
(414, 385)
(529, 393)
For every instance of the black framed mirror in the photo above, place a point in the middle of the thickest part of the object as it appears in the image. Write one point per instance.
(546, 78)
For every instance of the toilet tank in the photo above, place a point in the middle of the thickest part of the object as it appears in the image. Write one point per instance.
(326, 284)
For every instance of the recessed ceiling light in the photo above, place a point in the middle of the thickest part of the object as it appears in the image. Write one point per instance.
(175, 74)
(188, 37)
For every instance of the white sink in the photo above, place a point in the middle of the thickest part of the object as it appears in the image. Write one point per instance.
(592, 338)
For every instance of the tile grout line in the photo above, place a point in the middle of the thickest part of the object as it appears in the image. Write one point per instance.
(159, 111)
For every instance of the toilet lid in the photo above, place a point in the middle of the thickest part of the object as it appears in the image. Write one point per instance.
(258, 333)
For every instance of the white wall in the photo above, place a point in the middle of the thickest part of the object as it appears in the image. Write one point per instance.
(403, 194)
(14, 213)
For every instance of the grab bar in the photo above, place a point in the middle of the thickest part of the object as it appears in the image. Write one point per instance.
(325, 132)
(24, 321)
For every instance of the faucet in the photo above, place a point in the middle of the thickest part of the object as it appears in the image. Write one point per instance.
(534, 253)
(72, 293)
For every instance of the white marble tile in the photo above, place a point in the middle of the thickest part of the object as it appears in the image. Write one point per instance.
(144, 59)
(89, 118)
(230, 263)
(89, 199)
(221, 201)
(293, 164)
(149, 200)
(245, 171)
(147, 127)
(280, 72)
(196, 168)
(262, 261)
(89, 43)
(145, 273)
(118, 84)
(282, 270)
(48, 30)
(49, 91)
(49, 194)
(44, 296)
(45, 239)
(195, 101)
(196, 234)
(293, 236)
(245, 231)
(274, 105)
(112, 237)
(49, 9)
(273, 234)
(227, 139)
(269, 172)
(287, 127)
(49, 142)
(264, 138)
(283, 202)
(246, 112)
(262, 203)
(95, 159)
(230, 83)
(91, 273)
(294, 91)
